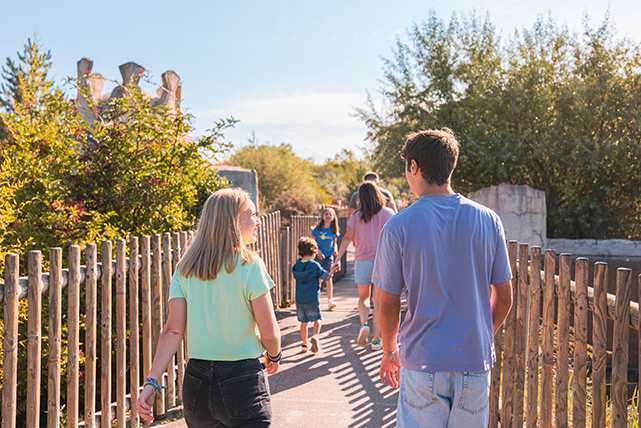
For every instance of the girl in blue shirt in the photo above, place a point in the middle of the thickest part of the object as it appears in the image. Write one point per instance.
(326, 233)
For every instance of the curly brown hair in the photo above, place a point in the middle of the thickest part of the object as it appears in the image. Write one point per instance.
(307, 246)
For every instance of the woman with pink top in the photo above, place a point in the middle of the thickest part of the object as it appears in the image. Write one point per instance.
(363, 228)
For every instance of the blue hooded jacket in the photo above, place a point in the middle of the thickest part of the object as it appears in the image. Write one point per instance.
(306, 274)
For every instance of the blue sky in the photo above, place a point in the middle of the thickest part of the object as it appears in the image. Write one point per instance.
(290, 71)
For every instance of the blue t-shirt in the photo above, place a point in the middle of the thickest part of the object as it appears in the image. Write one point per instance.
(325, 239)
(306, 273)
(446, 251)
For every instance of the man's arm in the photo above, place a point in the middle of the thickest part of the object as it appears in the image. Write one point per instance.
(501, 302)
(390, 318)
(352, 205)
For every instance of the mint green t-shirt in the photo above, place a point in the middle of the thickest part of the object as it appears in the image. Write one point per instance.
(220, 320)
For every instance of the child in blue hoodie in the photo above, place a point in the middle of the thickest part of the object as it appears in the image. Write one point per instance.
(308, 274)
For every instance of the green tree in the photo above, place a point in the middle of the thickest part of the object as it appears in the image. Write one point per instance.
(64, 181)
(341, 175)
(285, 181)
(134, 170)
(554, 110)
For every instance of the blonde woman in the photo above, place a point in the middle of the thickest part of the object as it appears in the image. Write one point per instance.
(220, 295)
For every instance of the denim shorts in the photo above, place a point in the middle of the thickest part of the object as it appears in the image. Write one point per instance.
(327, 262)
(226, 394)
(457, 399)
(363, 272)
(308, 312)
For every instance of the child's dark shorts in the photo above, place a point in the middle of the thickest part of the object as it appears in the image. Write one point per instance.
(327, 262)
(308, 312)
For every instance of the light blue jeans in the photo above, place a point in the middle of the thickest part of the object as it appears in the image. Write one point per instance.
(443, 399)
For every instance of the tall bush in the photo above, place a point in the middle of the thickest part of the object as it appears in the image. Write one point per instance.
(134, 170)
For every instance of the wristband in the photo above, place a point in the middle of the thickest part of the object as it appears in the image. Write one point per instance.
(275, 359)
(391, 353)
(153, 382)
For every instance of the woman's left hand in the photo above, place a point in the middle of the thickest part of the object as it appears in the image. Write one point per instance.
(145, 403)
(270, 366)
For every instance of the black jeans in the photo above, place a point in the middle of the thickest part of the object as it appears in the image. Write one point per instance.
(226, 394)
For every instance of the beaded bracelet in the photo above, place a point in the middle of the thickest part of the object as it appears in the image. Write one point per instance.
(153, 382)
(275, 359)
(391, 353)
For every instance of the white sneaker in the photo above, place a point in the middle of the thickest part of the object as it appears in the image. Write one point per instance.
(362, 335)
(331, 305)
(376, 345)
(315, 344)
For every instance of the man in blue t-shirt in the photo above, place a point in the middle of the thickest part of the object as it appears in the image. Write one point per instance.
(450, 254)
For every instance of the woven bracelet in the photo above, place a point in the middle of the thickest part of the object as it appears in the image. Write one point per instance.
(391, 353)
(153, 382)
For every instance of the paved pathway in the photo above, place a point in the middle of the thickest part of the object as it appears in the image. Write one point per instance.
(337, 387)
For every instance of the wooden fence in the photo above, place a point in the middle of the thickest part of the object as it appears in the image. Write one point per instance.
(119, 295)
(541, 374)
(540, 379)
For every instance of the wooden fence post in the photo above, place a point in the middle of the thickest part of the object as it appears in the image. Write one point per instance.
(547, 349)
(73, 342)
(495, 387)
(146, 304)
(563, 343)
(167, 273)
(509, 359)
(105, 336)
(533, 338)
(274, 250)
(91, 334)
(10, 340)
(521, 334)
(579, 376)
(121, 333)
(134, 323)
(157, 311)
(285, 263)
(599, 344)
(55, 336)
(620, 348)
(34, 341)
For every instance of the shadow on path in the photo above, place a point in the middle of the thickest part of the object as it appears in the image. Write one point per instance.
(337, 387)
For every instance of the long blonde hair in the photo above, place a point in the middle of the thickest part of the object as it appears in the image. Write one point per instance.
(218, 241)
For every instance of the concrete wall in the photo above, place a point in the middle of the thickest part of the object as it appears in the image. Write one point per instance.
(521, 208)
(596, 248)
(244, 178)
